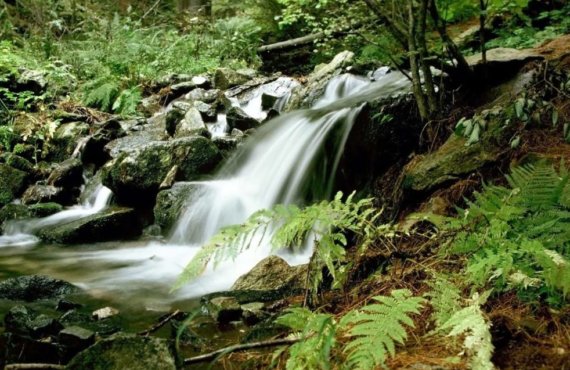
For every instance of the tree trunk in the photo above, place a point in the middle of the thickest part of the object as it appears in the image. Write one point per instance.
(414, 63)
(396, 30)
(422, 46)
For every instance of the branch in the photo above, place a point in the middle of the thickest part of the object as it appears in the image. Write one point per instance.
(240, 347)
(292, 43)
(398, 32)
(160, 324)
(34, 366)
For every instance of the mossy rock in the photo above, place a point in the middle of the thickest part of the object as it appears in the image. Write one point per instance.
(19, 163)
(44, 209)
(65, 140)
(12, 183)
(450, 162)
(122, 351)
(135, 176)
(14, 212)
(170, 204)
(114, 223)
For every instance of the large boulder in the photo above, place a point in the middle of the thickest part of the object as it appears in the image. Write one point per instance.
(114, 223)
(224, 78)
(12, 183)
(122, 351)
(47, 193)
(138, 137)
(170, 204)
(35, 287)
(273, 274)
(135, 177)
(192, 124)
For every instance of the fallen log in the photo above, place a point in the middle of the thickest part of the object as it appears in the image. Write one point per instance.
(299, 41)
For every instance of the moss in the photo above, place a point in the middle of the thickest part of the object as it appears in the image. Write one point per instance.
(19, 163)
(44, 209)
(14, 212)
(12, 183)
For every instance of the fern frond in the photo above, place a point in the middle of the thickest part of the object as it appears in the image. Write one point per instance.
(471, 323)
(375, 329)
(445, 298)
(101, 94)
(318, 331)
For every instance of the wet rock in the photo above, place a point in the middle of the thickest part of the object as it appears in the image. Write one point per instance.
(504, 55)
(226, 145)
(19, 163)
(224, 309)
(44, 209)
(183, 333)
(169, 179)
(170, 204)
(253, 313)
(13, 212)
(207, 111)
(238, 118)
(102, 328)
(22, 349)
(65, 305)
(35, 287)
(192, 124)
(65, 140)
(139, 137)
(237, 133)
(94, 148)
(305, 96)
(173, 118)
(273, 274)
(47, 194)
(206, 96)
(202, 82)
(113, 223)
(76, 337)
(67, 174)
(26, 151)
(104, 313)
(135, 176)
(225, 78)
(268, 100)
(12, 183)
(122, 351)
(22, 320)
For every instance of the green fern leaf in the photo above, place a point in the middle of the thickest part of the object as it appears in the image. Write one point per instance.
(375, 329)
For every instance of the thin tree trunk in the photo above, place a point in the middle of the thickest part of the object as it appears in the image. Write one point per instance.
(482, 18)
(414, 63)
(398, 32)
(422, 44)
(452, 48)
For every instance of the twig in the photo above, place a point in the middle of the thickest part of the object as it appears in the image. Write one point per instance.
(34, 366)
(150, 10)
(160, 324)
(240, 347)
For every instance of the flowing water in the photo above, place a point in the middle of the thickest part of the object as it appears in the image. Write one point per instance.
(291, 159)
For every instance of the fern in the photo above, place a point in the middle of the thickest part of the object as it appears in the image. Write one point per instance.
(445, 299)
(127, 102)
(375, 329)
(471, 323)
(317, 331)
(324, 223)
(101, 93)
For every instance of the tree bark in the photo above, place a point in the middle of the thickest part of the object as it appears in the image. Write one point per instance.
(414, 63)
(426, 70)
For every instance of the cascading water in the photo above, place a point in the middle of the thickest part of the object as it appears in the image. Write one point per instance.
(20, 233)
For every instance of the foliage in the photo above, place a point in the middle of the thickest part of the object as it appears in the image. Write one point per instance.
(326, 223)
(471, 323)
(317, 331)
(518, 236)
(375, 329)
(444, 297)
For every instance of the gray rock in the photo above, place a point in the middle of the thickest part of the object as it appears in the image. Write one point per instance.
(170, 204)
(199, 94)
(31, 80)
(504, 55)
(67, 174)
(12, 183)
(273, 273)
(253, 313)
(238, 118)
(47, 193)
(135, 176)
(35, 287)
(173, 118)
(65, 140)
(123, 351)
(225, 78)
(155, 130)
(94, 148)
(268, 100)
(207, 111)
(226, 145)
(76, 337)
(114, 223)
(224, 309)
(191, 124)
(104, 313)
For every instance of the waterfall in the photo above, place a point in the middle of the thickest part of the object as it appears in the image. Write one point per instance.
(290, 160)
(19, 233)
